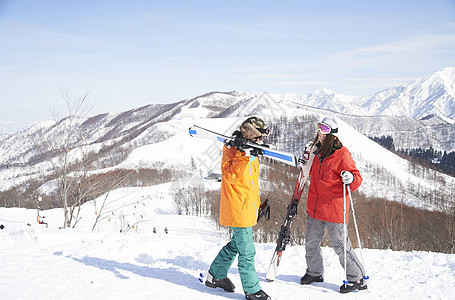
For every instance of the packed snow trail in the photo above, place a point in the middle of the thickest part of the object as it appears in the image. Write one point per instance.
(52, 263)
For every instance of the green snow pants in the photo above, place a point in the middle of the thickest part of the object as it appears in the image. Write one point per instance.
(243, 245)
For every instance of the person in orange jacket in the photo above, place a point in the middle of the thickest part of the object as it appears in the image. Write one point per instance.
(325, 206)
(239, 207)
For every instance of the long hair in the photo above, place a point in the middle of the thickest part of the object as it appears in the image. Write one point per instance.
(331, 143)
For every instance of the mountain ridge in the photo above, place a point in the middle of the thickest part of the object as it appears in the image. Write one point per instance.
(157, 134)
(431, 95)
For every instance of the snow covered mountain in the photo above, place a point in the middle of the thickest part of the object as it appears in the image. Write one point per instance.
(433, 95)
(12, 127)
(121, 259)
(157, 134)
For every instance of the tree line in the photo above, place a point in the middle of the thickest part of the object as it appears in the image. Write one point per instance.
(442, 161)
(383, 224)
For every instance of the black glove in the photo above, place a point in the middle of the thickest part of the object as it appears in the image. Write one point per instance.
(251, 151)
(239, 141)
(264, 210)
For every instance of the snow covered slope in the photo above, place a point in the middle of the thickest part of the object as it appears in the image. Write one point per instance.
(164, 139)
(54, 264)
(155, 134)
(408, 186)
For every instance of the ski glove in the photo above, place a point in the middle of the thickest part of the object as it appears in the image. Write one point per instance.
(239, 143)
(252, 152)
(264, 210)
(347, 177)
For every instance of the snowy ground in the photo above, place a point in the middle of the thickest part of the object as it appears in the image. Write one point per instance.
(50, 263)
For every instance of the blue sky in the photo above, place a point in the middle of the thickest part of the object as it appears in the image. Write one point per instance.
(127, 54)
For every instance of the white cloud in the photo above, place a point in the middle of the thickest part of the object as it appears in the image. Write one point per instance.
(428, 46)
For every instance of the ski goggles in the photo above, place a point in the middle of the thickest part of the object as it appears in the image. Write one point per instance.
(265, 131)
(257, 139)
(324, 128)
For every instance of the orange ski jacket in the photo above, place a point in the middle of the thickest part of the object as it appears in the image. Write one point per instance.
(325, 196)
(239, 189)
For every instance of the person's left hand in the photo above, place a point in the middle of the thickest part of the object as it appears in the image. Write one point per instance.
(347, 177)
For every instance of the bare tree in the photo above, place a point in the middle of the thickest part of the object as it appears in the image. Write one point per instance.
(61, 147)
(65, 147)
(110, 181)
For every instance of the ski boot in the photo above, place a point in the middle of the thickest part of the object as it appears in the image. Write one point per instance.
(225, 283)
(261, 295)
(307, 279)
(352, 286)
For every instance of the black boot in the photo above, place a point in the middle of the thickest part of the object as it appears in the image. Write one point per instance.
(307, 279)
(261, 295)
(225, 283)
(353, 285)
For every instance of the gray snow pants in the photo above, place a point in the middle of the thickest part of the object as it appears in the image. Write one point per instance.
(313, 236)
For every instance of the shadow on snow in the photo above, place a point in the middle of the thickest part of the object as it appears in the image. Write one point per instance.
(171, 274)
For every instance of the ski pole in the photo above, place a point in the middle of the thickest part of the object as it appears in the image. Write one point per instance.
(357, 232)
(345, 281)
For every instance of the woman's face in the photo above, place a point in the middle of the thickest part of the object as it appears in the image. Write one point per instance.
(321, 137)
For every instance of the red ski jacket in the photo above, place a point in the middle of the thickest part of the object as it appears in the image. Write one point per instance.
(325, 196)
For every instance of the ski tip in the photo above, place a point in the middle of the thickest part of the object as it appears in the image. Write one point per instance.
(202, 276)
(192, 131)
(270, 280)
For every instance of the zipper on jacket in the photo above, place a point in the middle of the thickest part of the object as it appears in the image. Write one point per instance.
(251, 176)
(252, 184)
(317, 198)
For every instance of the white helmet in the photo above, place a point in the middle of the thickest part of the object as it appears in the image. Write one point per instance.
(327, 125)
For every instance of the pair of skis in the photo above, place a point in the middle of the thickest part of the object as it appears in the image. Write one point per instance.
(284, 235)
(284, 157)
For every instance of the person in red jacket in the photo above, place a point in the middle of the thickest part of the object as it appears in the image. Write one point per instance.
(332, 167)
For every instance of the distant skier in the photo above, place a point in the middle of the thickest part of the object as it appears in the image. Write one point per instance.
(239, 210)
(40, 221)
(166, 230)
(154, 229)
(333, 168)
